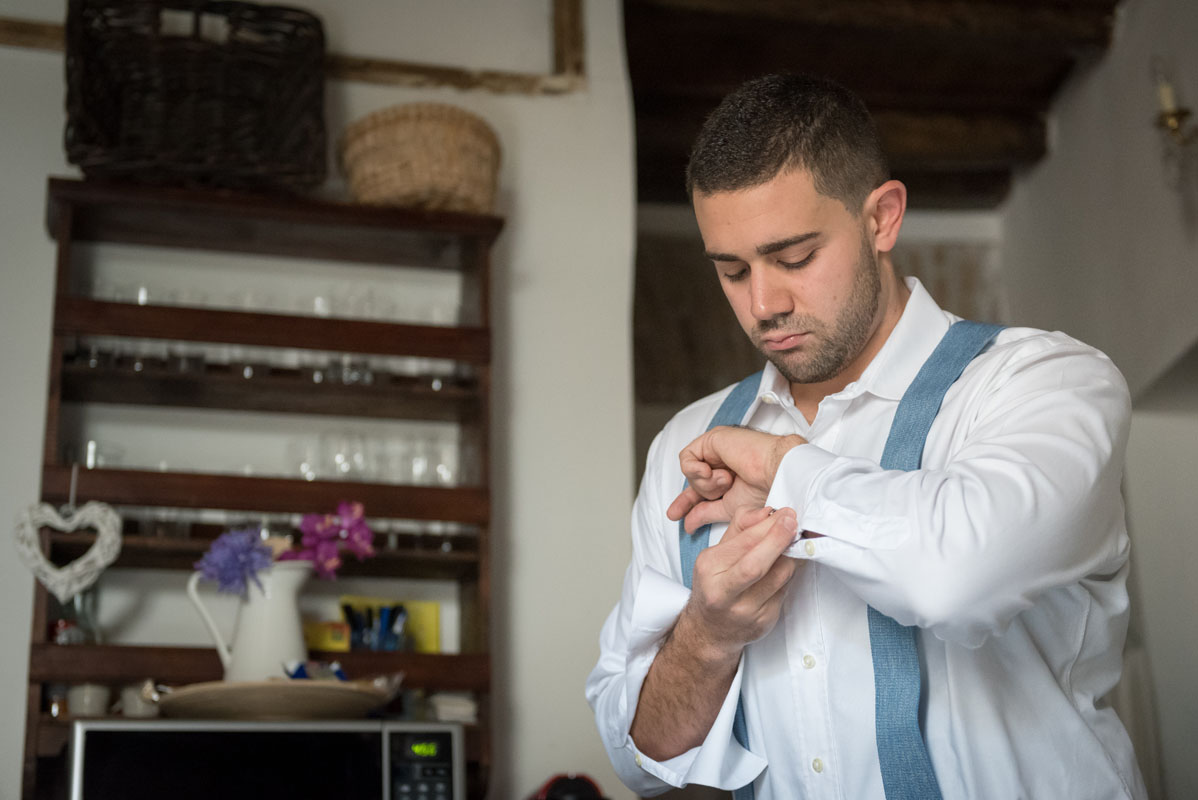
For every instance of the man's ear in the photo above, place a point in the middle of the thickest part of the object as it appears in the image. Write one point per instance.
(885, 208)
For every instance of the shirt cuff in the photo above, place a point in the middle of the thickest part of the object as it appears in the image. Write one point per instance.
(719, 761)
(806, 481)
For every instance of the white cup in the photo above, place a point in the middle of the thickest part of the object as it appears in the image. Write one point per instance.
(134, 702)
(88, 700)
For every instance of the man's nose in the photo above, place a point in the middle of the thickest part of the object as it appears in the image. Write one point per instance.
(769, 294)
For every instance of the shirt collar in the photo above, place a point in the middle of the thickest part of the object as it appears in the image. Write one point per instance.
(919, 329)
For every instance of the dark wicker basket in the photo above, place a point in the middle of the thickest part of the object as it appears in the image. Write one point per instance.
(195, 93)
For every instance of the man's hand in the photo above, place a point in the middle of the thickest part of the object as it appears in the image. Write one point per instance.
(739, 586)
(739, 583)
(727, 469)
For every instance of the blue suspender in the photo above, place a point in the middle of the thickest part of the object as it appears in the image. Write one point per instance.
(906, 767)
(731, 412)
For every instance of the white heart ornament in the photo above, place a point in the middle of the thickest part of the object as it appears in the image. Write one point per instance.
(65, 582)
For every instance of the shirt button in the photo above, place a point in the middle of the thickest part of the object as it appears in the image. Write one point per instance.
(769, 399)
(638, 759)
(809, 547)
(817, 765)
(809, 661)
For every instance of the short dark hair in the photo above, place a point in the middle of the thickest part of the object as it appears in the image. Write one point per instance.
(780, 122)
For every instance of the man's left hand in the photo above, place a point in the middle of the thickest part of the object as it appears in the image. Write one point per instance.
(727, 468)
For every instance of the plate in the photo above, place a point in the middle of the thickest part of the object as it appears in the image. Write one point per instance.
(274, 700)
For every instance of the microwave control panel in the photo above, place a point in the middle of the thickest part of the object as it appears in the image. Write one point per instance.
(422, 766)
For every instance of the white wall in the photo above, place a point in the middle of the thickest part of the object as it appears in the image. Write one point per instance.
(1095, 241)
(562, 350)
(1162, 462)
(1098, 244)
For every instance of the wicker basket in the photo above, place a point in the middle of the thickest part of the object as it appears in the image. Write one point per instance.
(196, 93)
(422, 155)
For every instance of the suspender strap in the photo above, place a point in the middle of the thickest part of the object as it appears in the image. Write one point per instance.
(731, 412)
(902, 753)
(906, 766)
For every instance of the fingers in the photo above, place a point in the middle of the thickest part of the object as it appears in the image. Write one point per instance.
(740, 583)
(709, 479)
(682, 505)
(744, 519)
(756, 548)
(706, 513)
(744, 556)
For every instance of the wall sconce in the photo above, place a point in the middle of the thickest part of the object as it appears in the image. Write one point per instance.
(1173, 121)
(1172, 118)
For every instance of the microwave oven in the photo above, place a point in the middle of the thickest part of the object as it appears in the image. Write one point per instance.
(239, 760)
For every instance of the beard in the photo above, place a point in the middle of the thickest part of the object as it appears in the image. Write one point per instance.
(834, 344)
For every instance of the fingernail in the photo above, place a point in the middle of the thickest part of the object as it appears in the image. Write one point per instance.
(789, 523)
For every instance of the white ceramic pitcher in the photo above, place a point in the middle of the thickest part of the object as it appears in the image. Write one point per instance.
(268, 631)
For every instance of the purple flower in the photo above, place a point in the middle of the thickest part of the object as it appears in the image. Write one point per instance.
(322, 536)
(234, 559)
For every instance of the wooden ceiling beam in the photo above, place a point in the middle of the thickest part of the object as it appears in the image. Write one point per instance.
(960, 141)
(704, 55)
(659, 180)
(1081, 24)
(940, 140)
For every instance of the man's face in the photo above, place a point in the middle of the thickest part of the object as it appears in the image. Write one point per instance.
(800, 272)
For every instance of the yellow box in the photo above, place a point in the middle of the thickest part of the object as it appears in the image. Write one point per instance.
(325, 635)
(422, 626)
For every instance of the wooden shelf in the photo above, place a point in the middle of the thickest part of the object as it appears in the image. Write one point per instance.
(253, 223)
(81, 316)
(278, 390)
(55, 663)
(406, 561)
(84, 212)
(129, 487)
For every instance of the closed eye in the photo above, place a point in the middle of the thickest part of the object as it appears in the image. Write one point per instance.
(734, 275)
(798, 264)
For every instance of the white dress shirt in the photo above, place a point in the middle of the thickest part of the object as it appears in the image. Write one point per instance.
(1008, 549)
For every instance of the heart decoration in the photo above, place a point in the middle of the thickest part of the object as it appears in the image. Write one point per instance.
(65, 582)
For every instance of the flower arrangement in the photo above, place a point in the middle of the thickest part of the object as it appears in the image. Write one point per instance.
(236, 556)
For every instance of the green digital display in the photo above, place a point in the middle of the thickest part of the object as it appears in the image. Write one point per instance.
(424, 749)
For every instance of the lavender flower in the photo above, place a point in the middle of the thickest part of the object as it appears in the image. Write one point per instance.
(324, 535)
(234, 559)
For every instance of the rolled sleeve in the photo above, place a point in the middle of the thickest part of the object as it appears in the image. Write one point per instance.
(719, 761)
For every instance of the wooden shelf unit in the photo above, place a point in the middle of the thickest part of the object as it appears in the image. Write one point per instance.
(82, 212)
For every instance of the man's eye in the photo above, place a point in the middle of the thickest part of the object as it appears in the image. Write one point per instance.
(798, 264)
(733, 277)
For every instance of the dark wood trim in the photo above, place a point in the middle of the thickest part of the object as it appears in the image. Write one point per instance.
(408, 561)
(129, 487)
(566, 29)
(1074, 25)
(271, 390)
(961, 141)
(181, 665)
(235, 222)
(31, 34)
(569, 46)
(77, 316)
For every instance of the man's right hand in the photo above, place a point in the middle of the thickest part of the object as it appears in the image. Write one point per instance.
(739, 585)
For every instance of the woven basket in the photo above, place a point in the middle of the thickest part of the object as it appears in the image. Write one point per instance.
(422, 155)
(196, 93)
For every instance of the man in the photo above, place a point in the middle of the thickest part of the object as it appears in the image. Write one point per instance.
(1006, 548)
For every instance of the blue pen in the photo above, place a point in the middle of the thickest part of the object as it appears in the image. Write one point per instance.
(382, 635)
